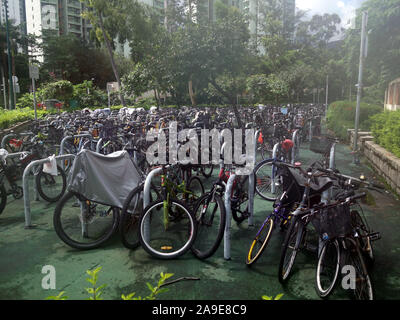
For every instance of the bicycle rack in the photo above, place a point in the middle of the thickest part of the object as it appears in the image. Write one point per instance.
(295, 152)
(227, 233)
(252, 182)
(274, 153)
(310, 134)
(25, 182)
(82, 135)
(146, 198)
(98, 145)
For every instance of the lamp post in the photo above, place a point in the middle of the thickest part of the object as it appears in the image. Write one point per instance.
(11, 84)
(360, 85)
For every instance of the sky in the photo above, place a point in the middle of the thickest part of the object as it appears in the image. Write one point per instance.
(344, 8)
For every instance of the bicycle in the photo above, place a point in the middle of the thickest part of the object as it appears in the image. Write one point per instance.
(167, 228)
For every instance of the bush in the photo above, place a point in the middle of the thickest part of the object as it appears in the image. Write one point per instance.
(386, 130)
(341, 116)
(10, 117)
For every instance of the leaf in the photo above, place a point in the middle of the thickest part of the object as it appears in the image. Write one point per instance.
(150, 287)
(279, 296)
(266, 298)
(128, 297)
(90, 290)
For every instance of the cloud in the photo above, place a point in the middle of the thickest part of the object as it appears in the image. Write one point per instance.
(344, 8)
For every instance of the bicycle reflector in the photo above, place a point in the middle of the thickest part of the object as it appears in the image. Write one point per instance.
(166, 248)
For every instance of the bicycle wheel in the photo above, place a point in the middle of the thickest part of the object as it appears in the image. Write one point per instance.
(327, 268)
(207, 170)
(167, 237)
(290, 247)
(268, 183)
(3, 198)
(240, 200)
(196, 188)
(210, 215)
(260, 241)
(365, 242)
(83, 224)
(51, 188)
(362, 283)
(131, 211)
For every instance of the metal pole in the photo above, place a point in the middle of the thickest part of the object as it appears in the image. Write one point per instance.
(12, 106)
(360, 85)
(4, 88)
(327, 92)
(34, 97)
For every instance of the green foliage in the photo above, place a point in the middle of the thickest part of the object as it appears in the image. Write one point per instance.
(96, 291)
(341, 116)
(154, 291)
(386, 130)
(60, 296)
(278, 297)
(10, 117)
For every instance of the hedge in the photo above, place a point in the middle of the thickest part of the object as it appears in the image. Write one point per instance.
(386, 130)
(341, 116)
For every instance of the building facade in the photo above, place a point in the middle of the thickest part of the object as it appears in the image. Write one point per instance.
(16, 13)
(392, 96)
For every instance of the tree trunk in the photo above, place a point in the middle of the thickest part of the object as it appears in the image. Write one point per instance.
(113, 65)
(191, 93)
(231, 99)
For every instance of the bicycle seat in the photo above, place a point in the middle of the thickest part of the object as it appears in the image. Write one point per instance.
(317, 184)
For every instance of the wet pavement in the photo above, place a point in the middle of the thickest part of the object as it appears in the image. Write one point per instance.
(23, 253)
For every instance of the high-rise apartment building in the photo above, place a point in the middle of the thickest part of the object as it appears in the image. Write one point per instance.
(58, 17)
(16, 13)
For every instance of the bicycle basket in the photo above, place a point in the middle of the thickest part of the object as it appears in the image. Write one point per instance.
(321, 145)
(335, 222)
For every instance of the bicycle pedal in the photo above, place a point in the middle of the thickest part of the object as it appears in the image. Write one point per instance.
(374, 236)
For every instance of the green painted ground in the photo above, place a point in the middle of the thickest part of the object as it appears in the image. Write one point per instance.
(23, 253)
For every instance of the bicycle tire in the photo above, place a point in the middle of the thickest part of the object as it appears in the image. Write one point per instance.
(130, 215)
(291, 235)
(3, 198)
(263, 181)
(240, 201)
(195, 186)
(363, 286)
(207, 173)
(328, 258)
(50, 181)
(268, 227)
(67, 205)
(159, 243)
(361, 227)
(204, 226)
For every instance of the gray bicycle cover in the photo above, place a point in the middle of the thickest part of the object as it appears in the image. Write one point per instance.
(103, 179)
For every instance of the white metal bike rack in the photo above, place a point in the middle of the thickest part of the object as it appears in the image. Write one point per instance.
(25, 182)
(295, 151)
(227, 233)
(274, 155)
(146, 198)
(83, 135)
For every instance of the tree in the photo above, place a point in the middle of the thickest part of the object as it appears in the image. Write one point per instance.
(107, 17)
